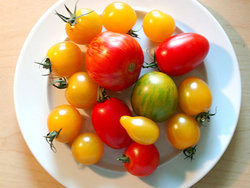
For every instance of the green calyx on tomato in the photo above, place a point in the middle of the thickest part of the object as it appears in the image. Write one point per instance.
(72, 19)
(102, 94)
(204, 117)
(50, 138)
(189, 152)
(124, 159)
(61, 83)
(46, 64)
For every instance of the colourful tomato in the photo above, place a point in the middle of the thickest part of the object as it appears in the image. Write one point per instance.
(141, 129)
(87, 148)
(65, 58)
(158, 26)
(64, 124)
(194, 96)
(183, 131)
(181, 53)
(81, 91)
(115, 17)
(82, 25)
(114, 60)
(141, 160)
(105, 118)
(155, 96)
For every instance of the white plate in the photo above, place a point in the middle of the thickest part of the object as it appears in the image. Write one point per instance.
(34, 99)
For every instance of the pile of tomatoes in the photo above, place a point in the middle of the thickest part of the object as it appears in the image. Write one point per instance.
(114, 60)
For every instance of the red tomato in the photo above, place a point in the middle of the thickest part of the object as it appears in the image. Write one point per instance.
(181, 53)
(105, 118)
(141, 160)
(114, 60)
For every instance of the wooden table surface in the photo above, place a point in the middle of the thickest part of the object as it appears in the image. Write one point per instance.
(18, 167)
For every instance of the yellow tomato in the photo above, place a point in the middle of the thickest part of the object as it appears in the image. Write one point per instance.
(66, 58)
(66, 121)
(140, 129)
(87, 148)
(158, 26)
(81, 91)
(118, 17)
(183, 131)
(194, 96)
(85, 28)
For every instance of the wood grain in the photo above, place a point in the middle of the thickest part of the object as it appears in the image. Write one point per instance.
(18, 167)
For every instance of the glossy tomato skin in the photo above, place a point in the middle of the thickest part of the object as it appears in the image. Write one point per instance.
(143, 159)
(155, 96)
(181, 53)
(194, 96)
(87, 148)
(66, 58)
(81, 91)
(66, 118)
(86, 27)
(114, 60)
(115, 17)
(183, 131)
(105, 118)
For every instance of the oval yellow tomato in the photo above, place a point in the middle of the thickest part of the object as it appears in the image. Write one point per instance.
(118, 17)
(194, 96)
(66, 58)
(183, 131)
(140, 129)
(87, 148)
(158, 26)
(81, 91)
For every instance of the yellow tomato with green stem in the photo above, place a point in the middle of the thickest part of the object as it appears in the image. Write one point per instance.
(158, 26)
(82, 25)
(64, 124)
(81, 91)
(87, 148)
(118, 17)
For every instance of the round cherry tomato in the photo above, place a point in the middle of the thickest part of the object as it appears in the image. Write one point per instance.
(183, 131)
(155, 96)
(118, 17)
(81, 91)
(194, 96)
(105, 118)
(114, 60)
(141, 160)
(65, 123)
(181, 53)
(84, 25)
(87, 148)
(66, 58)
(141, 129)
(158, 26)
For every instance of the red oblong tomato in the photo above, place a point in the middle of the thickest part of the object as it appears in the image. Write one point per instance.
(105, 118)
(181, 53)
(114, 60)
(141, 160)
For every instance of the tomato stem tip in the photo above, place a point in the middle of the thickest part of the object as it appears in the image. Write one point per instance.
(204, 117)
(61, 83)
(189, 152)
(152, 64)
(46, 64)
(102, 94)
(50, 138)
(124, 159)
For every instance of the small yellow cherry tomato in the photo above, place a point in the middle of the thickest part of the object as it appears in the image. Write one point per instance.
(118, 17)
(87, 148)
(85, 28)
(194, 96)
(158, 26)
(66, 121)
(81, 91)
(66, 58)
(140, 129)
(183, 131)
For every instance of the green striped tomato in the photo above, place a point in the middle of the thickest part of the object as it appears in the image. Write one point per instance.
(155, 96)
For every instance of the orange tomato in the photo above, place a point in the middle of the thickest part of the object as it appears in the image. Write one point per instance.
(81, 91)
(183, 131)
(194, 96)
(87, 148)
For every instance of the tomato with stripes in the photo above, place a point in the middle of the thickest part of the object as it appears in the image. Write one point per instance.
(114, 60)
(155, 96)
